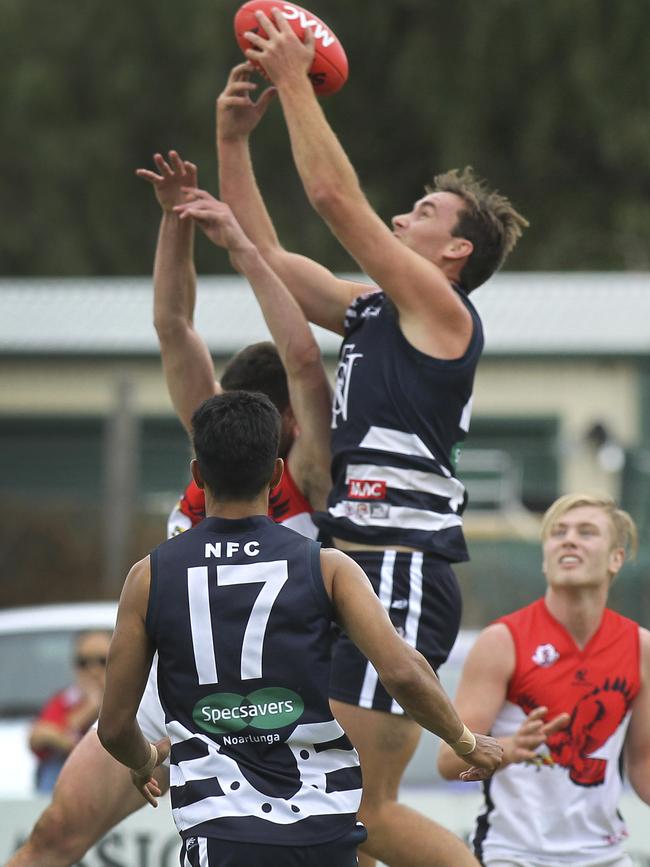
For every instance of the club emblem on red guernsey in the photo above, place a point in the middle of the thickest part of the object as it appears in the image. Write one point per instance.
(594, 720)
(545, 655)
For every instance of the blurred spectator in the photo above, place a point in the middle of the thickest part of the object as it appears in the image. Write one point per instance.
(68, 715)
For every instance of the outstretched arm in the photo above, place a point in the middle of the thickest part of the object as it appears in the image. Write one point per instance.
(405, 673)
(431, 314)
(323, 297)
(187, 362)
(129, 661)
(481, 694)
(309, 389)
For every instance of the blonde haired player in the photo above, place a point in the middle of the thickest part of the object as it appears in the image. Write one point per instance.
(563, 684)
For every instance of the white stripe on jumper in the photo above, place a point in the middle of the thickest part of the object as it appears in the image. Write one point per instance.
(401, 517)
(385, 597)
(200, 623)
(249, 801)
(303, 524)
(385, 439)
(414, 610)
(203, 852)
(466, 416)
(410, 480)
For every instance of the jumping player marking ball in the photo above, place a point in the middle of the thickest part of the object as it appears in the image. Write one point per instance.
(329, 71)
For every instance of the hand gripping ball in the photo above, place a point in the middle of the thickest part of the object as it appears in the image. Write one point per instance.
(329, 71)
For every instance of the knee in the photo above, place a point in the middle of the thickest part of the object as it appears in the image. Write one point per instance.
(57, 836)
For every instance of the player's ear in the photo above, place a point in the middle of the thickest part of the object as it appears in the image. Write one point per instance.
(616, 560)
(278, 469)
(459, 248)
(196, 473)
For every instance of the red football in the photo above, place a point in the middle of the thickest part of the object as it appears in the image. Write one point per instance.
(329, 71)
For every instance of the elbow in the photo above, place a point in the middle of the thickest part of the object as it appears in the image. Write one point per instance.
(401, 680)
(169, 326)
(274, 254)
(406, 676)
(326, 198)
(109, 733)
(172, 330)
(304, 360)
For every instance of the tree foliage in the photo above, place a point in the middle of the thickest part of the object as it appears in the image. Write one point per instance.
(547, 100)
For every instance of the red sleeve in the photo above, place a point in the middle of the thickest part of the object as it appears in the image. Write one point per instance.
(55, 711)
(193, 503)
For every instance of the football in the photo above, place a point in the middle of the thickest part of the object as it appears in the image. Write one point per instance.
(329, 71)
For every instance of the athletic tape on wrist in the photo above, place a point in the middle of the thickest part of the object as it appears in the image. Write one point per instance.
(465, 744)
(147, 768)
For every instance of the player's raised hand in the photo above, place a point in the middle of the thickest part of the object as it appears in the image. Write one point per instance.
(279, 50)
(531, 734)
(215, 219)
(237, 113)
(168, 182)
(484, 760)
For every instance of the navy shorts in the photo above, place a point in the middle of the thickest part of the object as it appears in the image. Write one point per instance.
(421, 595)
(212, 852)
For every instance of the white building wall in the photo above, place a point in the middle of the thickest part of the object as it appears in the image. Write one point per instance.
(579, 393)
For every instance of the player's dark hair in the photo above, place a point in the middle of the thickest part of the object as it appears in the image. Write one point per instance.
(488, 220)
(235, 437)
(258, 368)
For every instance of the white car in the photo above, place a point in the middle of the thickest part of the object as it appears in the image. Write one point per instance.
(36, 649)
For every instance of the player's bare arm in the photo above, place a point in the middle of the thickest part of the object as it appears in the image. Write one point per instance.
(402, 669)
(323, 297)
(309, 389)
(187, 364)
(637, 741)
(432, 316)
(481, 694)
(129, 661)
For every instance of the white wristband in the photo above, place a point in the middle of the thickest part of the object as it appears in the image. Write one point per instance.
(147, 768)
(465, 744)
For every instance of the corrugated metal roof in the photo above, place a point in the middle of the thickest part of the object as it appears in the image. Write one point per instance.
(523, 313)
(581, 313)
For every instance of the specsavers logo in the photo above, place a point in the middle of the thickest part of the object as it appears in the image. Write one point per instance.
(269, 708)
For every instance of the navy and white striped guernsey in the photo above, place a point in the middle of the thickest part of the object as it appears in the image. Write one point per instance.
(241, 620)
(398, 420)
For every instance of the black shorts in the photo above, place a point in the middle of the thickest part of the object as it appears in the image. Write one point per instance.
(421, 595)
(212, 852)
